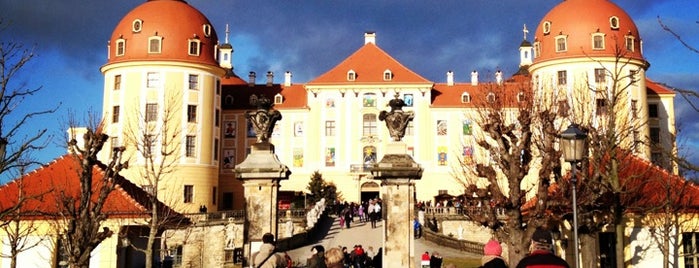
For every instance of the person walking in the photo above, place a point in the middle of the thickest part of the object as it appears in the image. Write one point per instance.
(541, 252)
(492, 255)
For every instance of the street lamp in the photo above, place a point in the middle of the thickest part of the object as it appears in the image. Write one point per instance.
(573, 141)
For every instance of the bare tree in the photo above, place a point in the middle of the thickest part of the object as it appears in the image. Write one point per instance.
(158, 146)
(516, 138)
(81, 216)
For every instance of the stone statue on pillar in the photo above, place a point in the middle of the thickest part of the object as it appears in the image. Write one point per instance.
(264, 118)
(397, 119)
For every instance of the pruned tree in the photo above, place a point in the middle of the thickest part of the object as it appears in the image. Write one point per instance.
(515, 132)
(81, 215)
(158, 151)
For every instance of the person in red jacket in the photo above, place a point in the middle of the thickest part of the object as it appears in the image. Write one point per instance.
(541, 252)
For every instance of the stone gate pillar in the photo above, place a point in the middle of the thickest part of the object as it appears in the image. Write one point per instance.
(261, 172)
(397, 171)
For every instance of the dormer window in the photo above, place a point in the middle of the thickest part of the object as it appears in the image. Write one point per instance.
(155, 44)
(561, 43)
(546, 28)
(207, 29)
(278, 98)
(614, 22)
(137, 25)
(194, 47)
(120, 46)
(521, 97)
(490, 97)
(465, 97)
(387, 75)
(598, 41)
(630, 42)
(537, 49)
(351, 75)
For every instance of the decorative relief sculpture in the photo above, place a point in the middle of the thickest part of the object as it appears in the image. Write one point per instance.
(397, 119)
(264, 118)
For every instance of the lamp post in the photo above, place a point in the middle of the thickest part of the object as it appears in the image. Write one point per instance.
(573, 141)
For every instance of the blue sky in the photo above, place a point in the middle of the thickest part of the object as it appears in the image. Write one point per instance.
(309, 37)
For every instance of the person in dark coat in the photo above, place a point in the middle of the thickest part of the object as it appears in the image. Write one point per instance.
(492, 255)
(541, 252)
(377, 261)
(317, 259)
(435, 260)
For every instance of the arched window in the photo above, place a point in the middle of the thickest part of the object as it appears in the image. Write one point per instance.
(351, 75)
(387, 75)
(155, 44)
(278, 99)
(465, 97)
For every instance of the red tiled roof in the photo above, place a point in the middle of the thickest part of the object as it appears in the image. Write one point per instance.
(657, 89)
(293, 97)
(369, 63)
(645, 187)
(45, 187)
(446, 96)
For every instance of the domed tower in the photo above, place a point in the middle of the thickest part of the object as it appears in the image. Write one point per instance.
(162, 101)
(585, 52)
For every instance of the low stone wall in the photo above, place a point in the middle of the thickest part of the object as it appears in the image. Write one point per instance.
(463, 245)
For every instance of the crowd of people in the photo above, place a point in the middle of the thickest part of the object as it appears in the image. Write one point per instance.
(338, 257)
(367, 211)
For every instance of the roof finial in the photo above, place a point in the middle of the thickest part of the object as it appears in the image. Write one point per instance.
(525, 31)
(227, 31)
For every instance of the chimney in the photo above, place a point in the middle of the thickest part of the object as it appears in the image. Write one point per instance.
(498, 77)
(270, 78)
(474, 78)
(251, 79)
(370, 37)
(287, 79)
(450, 78)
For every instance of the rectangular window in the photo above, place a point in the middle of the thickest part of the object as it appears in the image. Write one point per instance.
(634, 109)
(214, 192)
(215, 149)
(563, 108)
(600, 75)
(632, 76)
(194, 47)
(410, 129)
(629, 43)
(690, 249)
(329, 128)
(188, 193)
(117, 82)
(562, 78)
(561, 45)
(217, 116)
(190, 146)
(655, 135)
(153, 80)
(115, 114)
(537, 49)
(151, 112)
(193, 82)
(598, 42)
(601, 107)
(148, 145)
(191, 113)
(369, 125)
(218, 87)
(154, 44)
(120, 47)
(652, 110)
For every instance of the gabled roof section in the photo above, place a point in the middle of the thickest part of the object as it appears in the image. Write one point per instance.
(44, 188)
(369, 63)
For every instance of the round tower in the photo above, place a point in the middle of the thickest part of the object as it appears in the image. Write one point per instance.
(162, 101)
(581, 61)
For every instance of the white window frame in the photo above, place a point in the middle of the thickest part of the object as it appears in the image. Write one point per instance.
(546, 27)
(602, 43)
(193, 81)
(564, 39)
(206, 28)
(120, 48)
(351, 75)
(614, 22)
(157, 47)
(630, 43)
(137, 25)
(194, 47)
(387, 75)
(278, 99)
(465, 97)
(152, 79)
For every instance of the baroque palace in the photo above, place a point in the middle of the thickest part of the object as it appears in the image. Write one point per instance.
(171, 81)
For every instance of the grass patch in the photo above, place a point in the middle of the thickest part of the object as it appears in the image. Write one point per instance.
(462, 262)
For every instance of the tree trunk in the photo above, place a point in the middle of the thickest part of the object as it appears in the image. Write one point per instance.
(588, 250)
(619, 234)
(517, 246)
